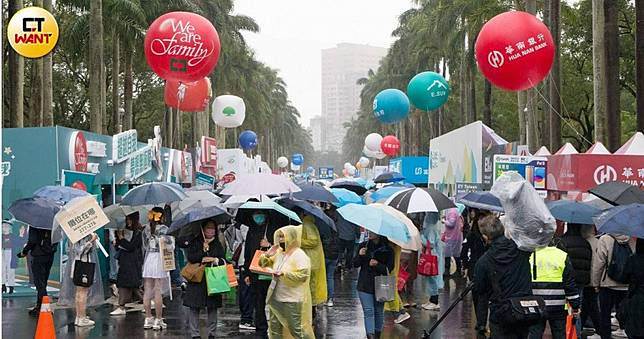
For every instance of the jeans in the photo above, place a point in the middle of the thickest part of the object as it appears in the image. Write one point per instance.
(499, 331)
(246, 299)
(193, 321)
(260, 290)
(40, 267)
(557, 324)
(346, 251)
(374, 312)
(608, 299)
(590, 307)
(578, 323)
(330, 269)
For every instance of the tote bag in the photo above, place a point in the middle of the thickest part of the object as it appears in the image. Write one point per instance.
(217, 279)
(263, 272)
(83, 273)
(232, 278)
(403, 277)
(428, 263)
(385, 288)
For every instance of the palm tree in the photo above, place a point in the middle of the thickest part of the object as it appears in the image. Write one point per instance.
(599, 72)
(611, 66)
(16, 77)
(555, 80)
(47, 89)
(96, 65)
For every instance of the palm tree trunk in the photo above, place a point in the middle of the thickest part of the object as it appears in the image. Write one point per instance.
(35, 98)
(555, 81)
(599, 72)
(487, 104)
(639, 57)
(95, 65)
(128, 82)
(116, 69)
(16, 77)
(47, 91)
(472, 83)
(168, 126)
(611, 64)
(462, 80)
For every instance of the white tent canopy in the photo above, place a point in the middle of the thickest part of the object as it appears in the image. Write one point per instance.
(598, 148)
(568, 148)
(634, 146)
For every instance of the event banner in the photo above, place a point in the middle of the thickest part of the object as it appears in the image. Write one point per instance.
(533, 169)
(204, 180)
(581, 172)
(463, 188)
(325, 173)
(81, 218)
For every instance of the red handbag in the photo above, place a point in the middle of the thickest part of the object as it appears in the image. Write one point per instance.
(428, 263)
(403, 276)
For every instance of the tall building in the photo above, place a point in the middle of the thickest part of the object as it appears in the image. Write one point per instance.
(316, 124)
(342, 66)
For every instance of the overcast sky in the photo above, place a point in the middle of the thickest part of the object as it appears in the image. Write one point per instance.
(293, 33)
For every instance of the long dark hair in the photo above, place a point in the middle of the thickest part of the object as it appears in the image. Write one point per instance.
(134, 218)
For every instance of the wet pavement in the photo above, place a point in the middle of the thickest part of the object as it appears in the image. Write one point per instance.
(344, 320)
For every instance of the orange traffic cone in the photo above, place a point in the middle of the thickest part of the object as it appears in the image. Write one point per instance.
(45, 328)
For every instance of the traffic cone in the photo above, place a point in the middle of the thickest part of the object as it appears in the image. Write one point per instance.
(45, 328)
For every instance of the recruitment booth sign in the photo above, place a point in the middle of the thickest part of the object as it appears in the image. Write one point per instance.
(581, 172)
(81, 218)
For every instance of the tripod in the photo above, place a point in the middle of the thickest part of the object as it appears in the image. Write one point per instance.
(467, 290)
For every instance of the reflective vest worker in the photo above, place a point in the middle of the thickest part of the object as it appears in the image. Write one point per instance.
(553, 279)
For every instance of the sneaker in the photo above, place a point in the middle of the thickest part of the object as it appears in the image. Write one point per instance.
(614, 322)
(84, 322)
(246, 326)
(118, 311)
(329, 303)
(115, 290)
(402, 318)
(619, 334)
(34, 312)
(431, 307)
(149, 322)
(159, 325)
(183, 286)
(406, 305)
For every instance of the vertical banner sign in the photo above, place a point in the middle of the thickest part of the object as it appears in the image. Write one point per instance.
(166, 246)
(123, 145)
(81, 218)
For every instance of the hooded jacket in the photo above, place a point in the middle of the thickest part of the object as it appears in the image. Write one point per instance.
(603, 257)
(510, 269)
(579, 252)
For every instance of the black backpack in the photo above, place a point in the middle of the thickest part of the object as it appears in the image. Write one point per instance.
(621, 253)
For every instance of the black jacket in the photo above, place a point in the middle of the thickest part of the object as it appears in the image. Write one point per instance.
(473, 249)
(330, 246)
(634, 307)
(579, 252)
(385, 257)
(130, 261)
(196, 294)
(253, 238)
(510, 267)
(39, 243)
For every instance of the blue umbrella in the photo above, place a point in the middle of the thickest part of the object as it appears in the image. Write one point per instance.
(345, 196)
(573, 211)
(154, 193)
(365, 183)
(322, 221)
(314, 193)
(36, 212)
(388, 177)
(385, 192)
(194, 215)
(624, 219)
(60, 193)
(376, 220)
(482, 200)
(277, 215)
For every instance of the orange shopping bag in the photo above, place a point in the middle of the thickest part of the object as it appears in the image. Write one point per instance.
(571, 330)
(254, 265)
(232, 277)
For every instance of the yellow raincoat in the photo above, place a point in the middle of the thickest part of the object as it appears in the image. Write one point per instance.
(289, 297)
(312, 246)
(396, 305)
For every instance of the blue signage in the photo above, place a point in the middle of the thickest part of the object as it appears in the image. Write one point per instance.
(325, 173)
(414, 169)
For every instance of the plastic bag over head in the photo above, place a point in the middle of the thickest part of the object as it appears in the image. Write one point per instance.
(527, 220)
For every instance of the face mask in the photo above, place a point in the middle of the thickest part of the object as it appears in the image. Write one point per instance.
(6, 231)
(209, 233)
(283, 246)
(259, 219)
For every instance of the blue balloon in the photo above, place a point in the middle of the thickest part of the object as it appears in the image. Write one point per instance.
(391, 106)
(297, 159)
(310, 169)
(428, 91)
(247, 140)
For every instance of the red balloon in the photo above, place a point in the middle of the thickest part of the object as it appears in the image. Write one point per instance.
(183, 46)
(191, 97)
(515, 51)
(390, 145)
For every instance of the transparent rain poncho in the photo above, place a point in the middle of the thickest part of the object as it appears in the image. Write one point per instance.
(312, 246)
(81, 250)
(527, 220)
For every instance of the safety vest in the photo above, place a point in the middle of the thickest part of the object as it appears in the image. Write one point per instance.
(550, 265)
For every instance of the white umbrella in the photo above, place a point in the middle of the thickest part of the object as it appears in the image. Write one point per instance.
(117, 213)
(260, 183)
(237, 200)
(195, 199)
(414, 243)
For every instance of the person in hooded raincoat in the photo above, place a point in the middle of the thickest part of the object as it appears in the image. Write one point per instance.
(312, 246)
(289, 296)
(453, 238)
(432, 233)
(82, 297)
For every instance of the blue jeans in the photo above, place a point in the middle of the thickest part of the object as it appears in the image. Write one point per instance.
(330, 269)
(374, 312)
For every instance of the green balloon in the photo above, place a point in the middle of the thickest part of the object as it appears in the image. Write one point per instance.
(428, 91)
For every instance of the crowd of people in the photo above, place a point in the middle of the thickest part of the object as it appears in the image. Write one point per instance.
(582, 274)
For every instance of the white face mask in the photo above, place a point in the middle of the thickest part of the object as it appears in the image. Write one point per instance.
(6, 230)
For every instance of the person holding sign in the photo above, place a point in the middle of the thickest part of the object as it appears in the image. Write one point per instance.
(82, 283)
(205, 250)
(155, 277)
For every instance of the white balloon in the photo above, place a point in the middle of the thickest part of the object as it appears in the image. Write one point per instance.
(347, 165)
(282, 162)
(372, 142)
(228, 111)
(364, 162)
(371, 154)
(352, 171)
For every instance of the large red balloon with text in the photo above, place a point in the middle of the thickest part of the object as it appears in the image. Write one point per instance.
(515, 51)
(187, 96)
(390, 145)
(182, 46)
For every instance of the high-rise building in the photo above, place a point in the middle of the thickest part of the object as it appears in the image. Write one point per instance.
(342, 66)
(316, 124)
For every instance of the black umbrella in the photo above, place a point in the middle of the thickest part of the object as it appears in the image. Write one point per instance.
(618, 193)
(388, 177)
(322, 221)
(36, 212)
(189, 224)
(350, 185)
(482, 200)
(314, 193)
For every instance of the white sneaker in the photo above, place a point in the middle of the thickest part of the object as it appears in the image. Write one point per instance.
(619, 334)
(84, 322)
(431, 307)
(614, 322)
(402, 318)
(246, 326)
(159, 324)
(118, 311)
(330, 303)
(149, 322)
